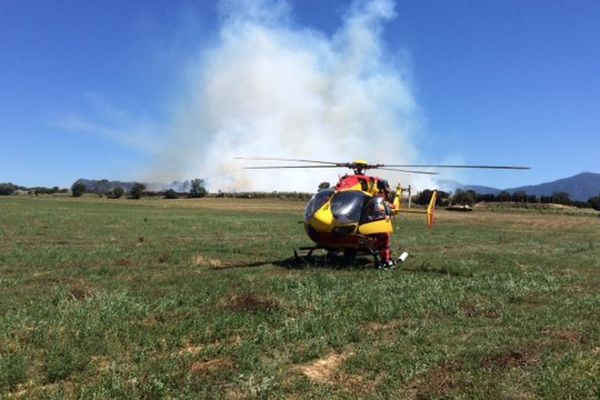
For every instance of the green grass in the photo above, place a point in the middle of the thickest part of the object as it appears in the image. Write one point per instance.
(196, 299)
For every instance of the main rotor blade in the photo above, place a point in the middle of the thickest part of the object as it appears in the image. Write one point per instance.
(455, 166)
(292, 166)
(409, 171)
(287, 159)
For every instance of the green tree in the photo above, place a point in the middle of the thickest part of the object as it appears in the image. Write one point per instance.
(594, 202)
(464, 198)
(7, 189)
(504, 196)
(137, 190)
(170, 194)
(198, 189)
(77, 189)
(561, 198)
(116, 193)
(519, 196)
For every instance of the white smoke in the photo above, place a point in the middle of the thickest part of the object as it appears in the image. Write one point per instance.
(269, 88)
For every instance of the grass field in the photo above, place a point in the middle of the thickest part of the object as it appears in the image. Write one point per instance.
(197, 299)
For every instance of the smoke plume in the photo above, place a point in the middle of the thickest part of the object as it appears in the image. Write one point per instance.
(270, 88)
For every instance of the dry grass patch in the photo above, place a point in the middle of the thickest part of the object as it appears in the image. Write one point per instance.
(472, 311)
(200, 260)
(325, 369)
(439, 381)
(80, 291)
(250, 303)
(124, 262)
(188, 351)
(510, 359)
(211, 367)
(570, 336)
(101, 363)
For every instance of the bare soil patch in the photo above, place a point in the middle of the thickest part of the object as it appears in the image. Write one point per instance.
(251, 303)
(439, 381)
(124, 262)
(472, 311)
(101, 363)
(510, 359)
(570, 336)
(212, 366)
(80, 292)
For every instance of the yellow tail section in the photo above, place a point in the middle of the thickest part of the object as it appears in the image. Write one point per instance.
(430, 208)
(398, 199)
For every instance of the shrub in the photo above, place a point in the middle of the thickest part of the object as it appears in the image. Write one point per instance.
(115, 193)
(170, 194)
(136, 190)
(198, 189)
(561, 198)
(464, 198)
(77, 189)
(7, 189)
(594, 202)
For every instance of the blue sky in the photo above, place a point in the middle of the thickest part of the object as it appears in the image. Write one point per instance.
(502, 82)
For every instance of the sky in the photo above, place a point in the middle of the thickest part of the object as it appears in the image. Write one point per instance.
(105, 89)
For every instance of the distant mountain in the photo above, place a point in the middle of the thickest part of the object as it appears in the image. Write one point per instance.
(482, 189)
(450, 186)
(580, 187)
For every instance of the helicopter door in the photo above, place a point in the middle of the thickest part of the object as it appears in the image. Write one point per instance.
(375, 209)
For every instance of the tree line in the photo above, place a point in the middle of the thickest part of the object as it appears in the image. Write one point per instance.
(470, 197)
(195, 188)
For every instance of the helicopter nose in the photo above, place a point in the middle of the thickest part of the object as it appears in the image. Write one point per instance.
(322, 220)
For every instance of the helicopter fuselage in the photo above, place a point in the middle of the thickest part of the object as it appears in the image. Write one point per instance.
(353, 215)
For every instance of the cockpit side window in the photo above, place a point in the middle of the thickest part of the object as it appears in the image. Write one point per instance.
(316, 202)
(375, 209)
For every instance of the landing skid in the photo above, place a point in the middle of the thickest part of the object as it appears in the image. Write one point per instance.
(348, 254)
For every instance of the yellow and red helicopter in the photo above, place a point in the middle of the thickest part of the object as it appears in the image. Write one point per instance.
(355, 216)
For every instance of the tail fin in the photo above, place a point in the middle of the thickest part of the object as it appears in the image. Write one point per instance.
(398, 198)
(431, 209)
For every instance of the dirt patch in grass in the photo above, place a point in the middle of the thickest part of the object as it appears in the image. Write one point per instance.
(164, 257)
(101, 363)
(251, 303)
(211, 367)
(570, 336)
(324, 369)
(188, 351)
(510, 359)
(385, 332)
(200, 260)
(471, 311)
(124, 262)
(439, 381)
(80, 292)
(356, 384)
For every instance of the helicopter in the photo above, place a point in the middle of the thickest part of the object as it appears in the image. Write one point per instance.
(355, 216)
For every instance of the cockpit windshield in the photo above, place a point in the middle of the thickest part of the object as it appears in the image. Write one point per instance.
(347, 206)
(317, 202)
